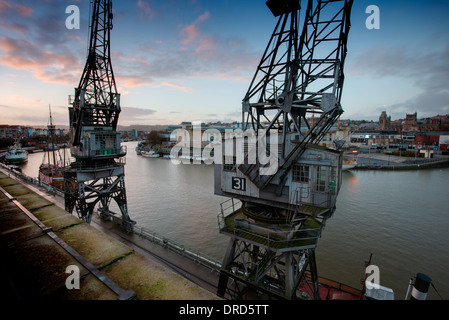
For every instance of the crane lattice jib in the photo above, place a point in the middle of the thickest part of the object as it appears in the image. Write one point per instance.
(96, 103)
(300, 65)
(297, 87)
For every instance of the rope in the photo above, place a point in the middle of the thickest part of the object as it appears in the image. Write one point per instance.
(433, 286)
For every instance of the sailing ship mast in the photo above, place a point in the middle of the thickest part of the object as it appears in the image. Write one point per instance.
(52, 167)
(52, 146)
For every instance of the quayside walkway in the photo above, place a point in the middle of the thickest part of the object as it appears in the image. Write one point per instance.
(39, 240)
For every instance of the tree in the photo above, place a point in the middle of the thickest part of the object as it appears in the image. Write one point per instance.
(154, 138)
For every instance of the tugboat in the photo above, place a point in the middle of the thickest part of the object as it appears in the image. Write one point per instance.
(16, 154)
(51, 171)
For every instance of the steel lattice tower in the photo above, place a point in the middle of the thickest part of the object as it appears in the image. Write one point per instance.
(292, 102)
(97, 174)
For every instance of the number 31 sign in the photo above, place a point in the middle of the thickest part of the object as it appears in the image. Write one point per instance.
(239, 184)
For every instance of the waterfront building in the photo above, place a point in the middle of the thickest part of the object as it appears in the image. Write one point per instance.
(412, 123)
(337, 132)
(376, 138)
(384, 121)
(438, 140)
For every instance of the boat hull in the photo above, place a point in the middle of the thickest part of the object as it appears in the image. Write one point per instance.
(16, 154)
(348, 165)
(16, 157)
(150, 155)
(52, 177)
(16, 160)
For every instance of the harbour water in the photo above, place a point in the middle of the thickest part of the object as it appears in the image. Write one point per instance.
(401, 217)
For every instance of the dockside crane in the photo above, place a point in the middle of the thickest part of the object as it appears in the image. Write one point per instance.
(97, 174)
(278, 207)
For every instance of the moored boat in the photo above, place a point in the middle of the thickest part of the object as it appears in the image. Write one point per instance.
(349, 160)
(349, 164)
(52, 175)
(16, 154)
(150, 154)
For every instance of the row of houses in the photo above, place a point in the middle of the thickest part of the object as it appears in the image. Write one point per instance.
(23, 132)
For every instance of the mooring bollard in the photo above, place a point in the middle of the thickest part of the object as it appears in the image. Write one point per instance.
(421, 287)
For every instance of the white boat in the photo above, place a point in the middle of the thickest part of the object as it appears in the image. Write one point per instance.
(348, 165)
(349, 160)
(150, 154)
(16, 154)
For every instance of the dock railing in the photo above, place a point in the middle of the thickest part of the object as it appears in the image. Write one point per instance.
(192, 254)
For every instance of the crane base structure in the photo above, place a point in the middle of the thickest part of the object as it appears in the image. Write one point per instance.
(270, 259)
(87, 185)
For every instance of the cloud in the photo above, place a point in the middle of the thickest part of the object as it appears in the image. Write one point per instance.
(132, 115)
(48, 66)
(31, 112)
(41, 46)
(25, 100)
(176, 86)
(209, 56)
(205, 16)
(14, 27)
(21, 9)
(4, 6)
(427, 71)
(191, 32)
(145, 9)
(37, 41)
(132, 81)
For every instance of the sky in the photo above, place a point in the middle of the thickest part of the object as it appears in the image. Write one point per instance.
(193, 60)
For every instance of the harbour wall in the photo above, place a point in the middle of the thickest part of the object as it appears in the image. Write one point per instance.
(386, 162)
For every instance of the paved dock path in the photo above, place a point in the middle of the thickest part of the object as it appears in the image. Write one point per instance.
(34, 263)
